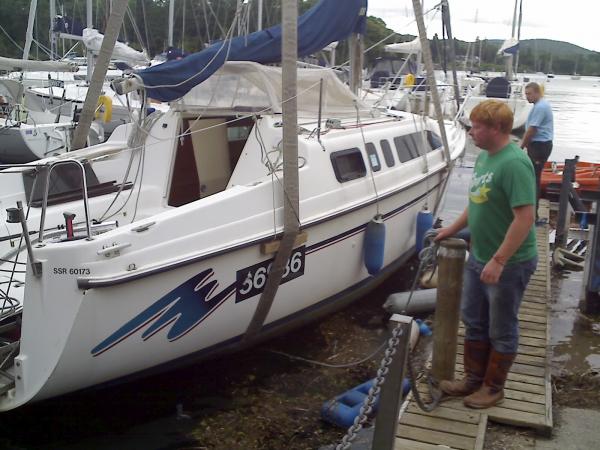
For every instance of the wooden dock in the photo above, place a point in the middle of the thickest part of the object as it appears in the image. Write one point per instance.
(528, 392)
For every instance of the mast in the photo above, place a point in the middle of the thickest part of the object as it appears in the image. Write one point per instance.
(52, 33)
(428, 60)
(171, 18)
(90, 54)
(519, 36)
(183, 27)
(356, 62)
(291, 209)
(260, 15)
(446, 20)
(509, 59)
(113, 26)
(29, 33)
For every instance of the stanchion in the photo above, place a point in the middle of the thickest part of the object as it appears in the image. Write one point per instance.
(391, 391)
(451, 261)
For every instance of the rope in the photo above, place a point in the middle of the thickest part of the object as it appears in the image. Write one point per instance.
(334, 366)
(10, 38)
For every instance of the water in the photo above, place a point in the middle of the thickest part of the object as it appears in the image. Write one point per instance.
(575, 338)
(576, 108)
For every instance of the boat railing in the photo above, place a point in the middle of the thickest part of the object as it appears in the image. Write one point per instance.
(45, 171)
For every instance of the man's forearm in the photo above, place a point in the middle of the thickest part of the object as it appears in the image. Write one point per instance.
(516, 234)
(461, 222)
(528, 135)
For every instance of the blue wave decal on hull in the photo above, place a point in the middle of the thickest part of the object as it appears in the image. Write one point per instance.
(184, 307)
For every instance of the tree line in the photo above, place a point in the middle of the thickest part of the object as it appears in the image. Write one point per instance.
(200, 22)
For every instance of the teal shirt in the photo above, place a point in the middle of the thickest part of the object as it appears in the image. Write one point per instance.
(500, 182)
(541, 118)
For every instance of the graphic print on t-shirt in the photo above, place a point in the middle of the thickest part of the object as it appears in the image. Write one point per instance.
(479, 189)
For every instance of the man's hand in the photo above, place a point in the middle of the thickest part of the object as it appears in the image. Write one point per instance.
(443, 233)
(491, 272)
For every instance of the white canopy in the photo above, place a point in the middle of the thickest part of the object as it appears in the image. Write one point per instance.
(413, 46)
(25, 65)
(250, 86)
(93, 41)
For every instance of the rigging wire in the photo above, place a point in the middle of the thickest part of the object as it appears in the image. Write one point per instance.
(362, 134)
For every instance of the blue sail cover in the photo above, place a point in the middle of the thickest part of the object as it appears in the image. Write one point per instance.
(324, 23)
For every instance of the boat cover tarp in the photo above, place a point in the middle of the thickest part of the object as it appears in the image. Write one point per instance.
(93, 41)
(26, 65)
(246, 86)
(324, 23)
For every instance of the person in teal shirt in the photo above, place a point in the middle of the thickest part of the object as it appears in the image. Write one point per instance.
(503, 256)
(539, 133)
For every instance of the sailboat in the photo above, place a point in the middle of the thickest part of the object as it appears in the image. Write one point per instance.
(575, 75)
(550, 74)
(504, 89)
(154, 248)
(29, 132)
(67, 96)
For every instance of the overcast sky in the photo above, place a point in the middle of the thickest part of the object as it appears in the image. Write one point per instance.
(574, 21)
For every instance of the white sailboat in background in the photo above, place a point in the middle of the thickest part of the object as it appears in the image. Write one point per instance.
(67, 96)
(180, 215)
(29, 131)
(505, 89)
(575, 75)
(400, 83)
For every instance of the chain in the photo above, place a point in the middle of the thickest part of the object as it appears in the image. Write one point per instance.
(427, 258)
(367, 407)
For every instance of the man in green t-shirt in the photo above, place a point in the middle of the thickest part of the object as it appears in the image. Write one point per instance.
(503, 256)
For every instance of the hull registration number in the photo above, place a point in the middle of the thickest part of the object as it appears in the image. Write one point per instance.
(251, 281)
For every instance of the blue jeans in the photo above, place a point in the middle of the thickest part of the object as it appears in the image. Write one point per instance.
(490, 311)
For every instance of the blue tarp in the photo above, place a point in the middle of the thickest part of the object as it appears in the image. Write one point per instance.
(326, 22)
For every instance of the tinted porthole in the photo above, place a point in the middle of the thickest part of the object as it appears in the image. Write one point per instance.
(403, 148)
(434, 140)
(348, 165)
(387, 152)
(373, 157)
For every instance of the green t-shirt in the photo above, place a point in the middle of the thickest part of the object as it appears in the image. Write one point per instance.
(500, 182)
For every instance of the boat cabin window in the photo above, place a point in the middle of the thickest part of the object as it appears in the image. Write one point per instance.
(348, 165)
(373, 157)
(387, 152)
(410, 146)
(65, 185)
(206, 157)
(434, 140)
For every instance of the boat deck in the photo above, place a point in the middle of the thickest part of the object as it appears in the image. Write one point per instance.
(528, 391)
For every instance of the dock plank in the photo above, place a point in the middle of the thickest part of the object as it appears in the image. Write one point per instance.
(528, 390)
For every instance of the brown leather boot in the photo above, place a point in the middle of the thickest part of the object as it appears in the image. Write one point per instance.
(475, 359)
(492, 391)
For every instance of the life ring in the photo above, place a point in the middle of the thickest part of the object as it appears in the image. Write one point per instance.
(104, 109)
(409, 80)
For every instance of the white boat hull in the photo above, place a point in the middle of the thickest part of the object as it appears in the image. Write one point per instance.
(181, 276)
(519, 106)
(23, 143)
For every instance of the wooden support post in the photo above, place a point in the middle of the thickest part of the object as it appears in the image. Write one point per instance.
(591, 304)
(390, 397)
(564, 216)
(451, 261)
